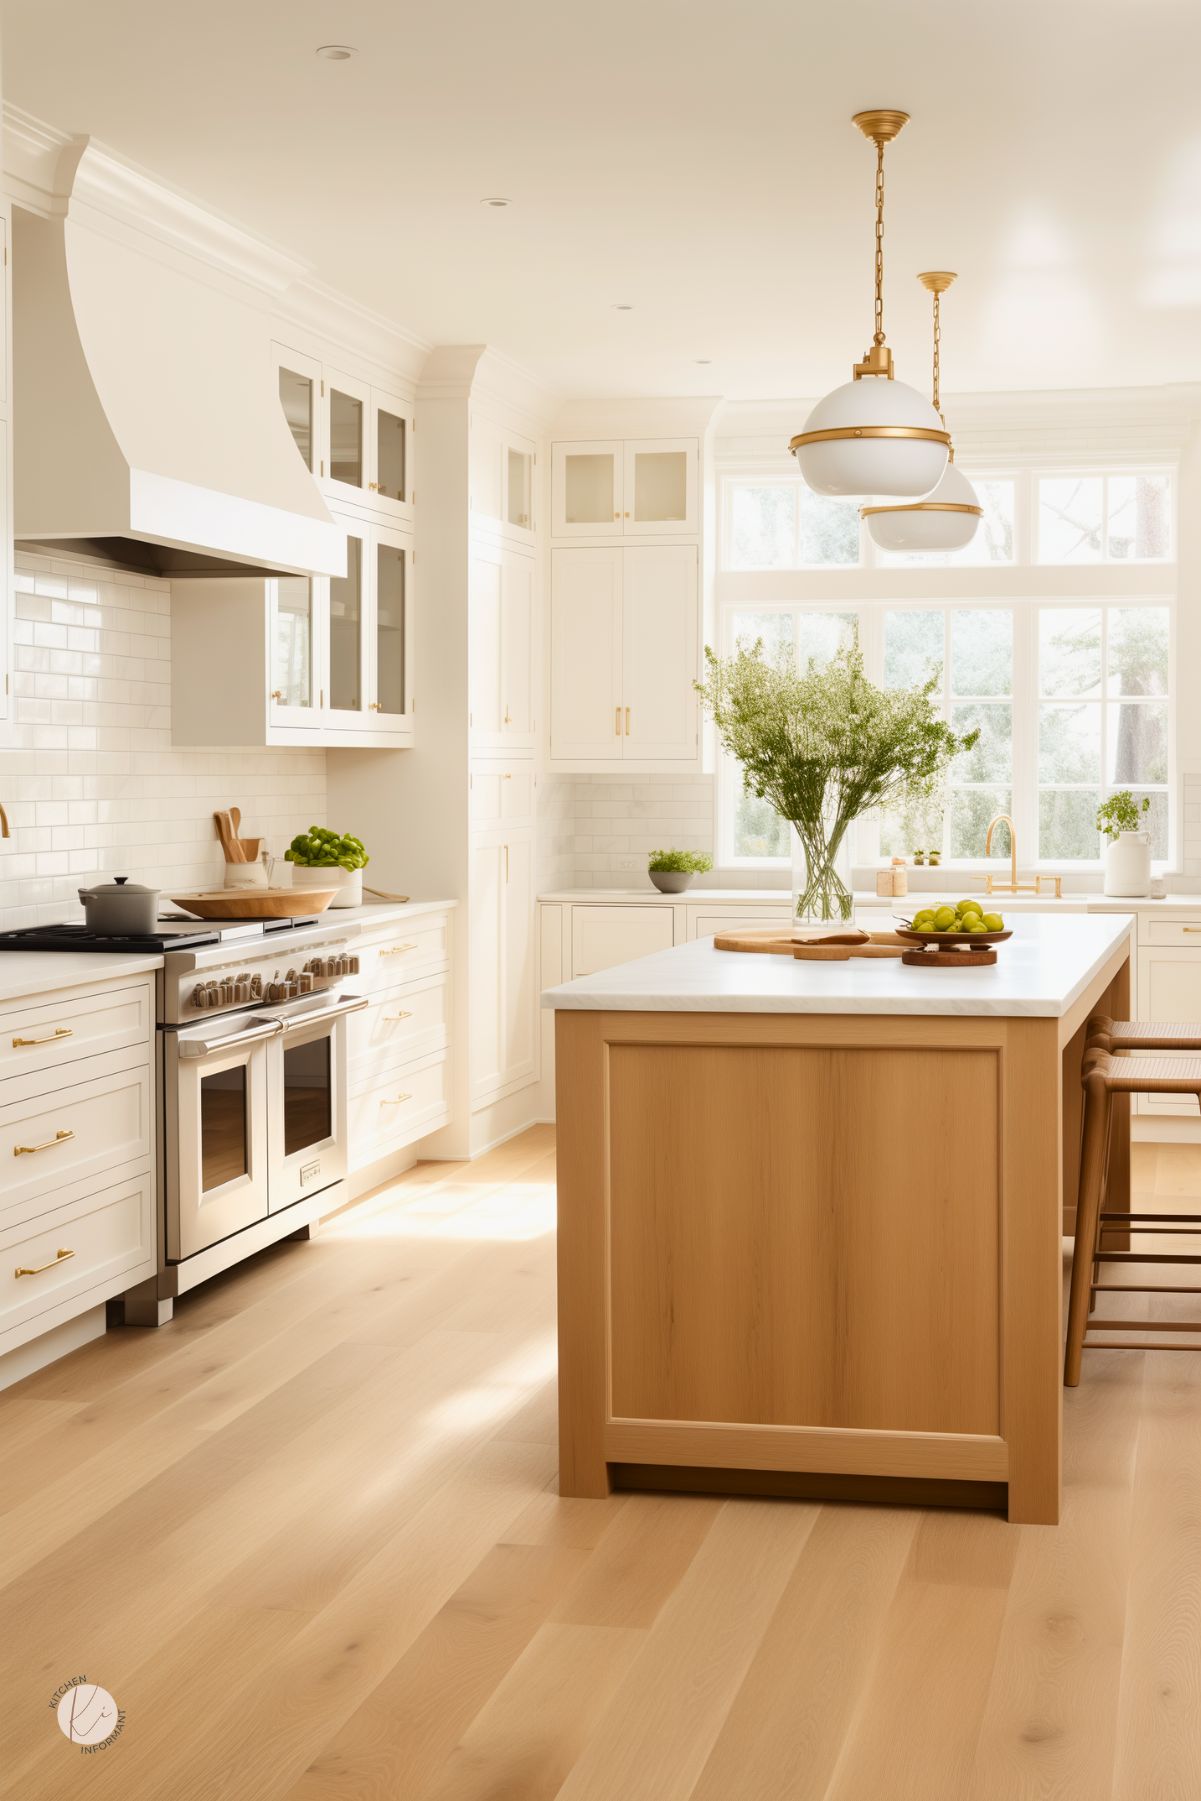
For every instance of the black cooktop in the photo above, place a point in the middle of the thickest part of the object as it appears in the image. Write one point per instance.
(78, 938)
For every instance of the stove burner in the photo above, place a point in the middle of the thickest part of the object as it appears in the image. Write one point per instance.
(79, 938)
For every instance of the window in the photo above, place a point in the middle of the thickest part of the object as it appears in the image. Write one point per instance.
(1066, 674)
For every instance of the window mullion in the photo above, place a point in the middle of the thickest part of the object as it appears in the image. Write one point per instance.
(1024, 702)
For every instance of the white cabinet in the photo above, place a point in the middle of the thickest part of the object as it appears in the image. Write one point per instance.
(500, 648)
(503, 481)
(502, 997)
(355, 438)
(638, 488)
(6, 510)
(623, 656)
(602, 937)
(1169, 990)
(297, 659)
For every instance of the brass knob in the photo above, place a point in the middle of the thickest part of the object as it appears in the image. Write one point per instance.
(375, 706)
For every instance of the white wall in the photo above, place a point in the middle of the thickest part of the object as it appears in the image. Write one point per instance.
(92, 785)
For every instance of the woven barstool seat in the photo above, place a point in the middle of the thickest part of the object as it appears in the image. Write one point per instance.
(1105, 1075)
(1143, 1034)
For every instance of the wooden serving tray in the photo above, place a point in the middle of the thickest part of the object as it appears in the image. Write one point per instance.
(837, 947)
(256, 903)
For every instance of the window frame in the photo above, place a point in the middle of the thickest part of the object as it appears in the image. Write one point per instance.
(870, 589)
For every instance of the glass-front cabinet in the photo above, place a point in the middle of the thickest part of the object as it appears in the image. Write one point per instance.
(346, 637)
(356, 439)
(637, 488)
(504, 481)
(292, 650)
(390, 659)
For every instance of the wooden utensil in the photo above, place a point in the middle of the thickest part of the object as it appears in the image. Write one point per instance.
(250, 848)
(229, 841)
(256, 903)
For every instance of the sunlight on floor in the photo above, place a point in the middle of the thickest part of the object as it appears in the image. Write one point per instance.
(513, 1213)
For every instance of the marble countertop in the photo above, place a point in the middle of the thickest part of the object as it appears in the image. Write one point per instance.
(902, 905)
(1039, 973)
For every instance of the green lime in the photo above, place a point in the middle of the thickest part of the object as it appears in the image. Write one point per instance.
(944, 919)
(923, 921)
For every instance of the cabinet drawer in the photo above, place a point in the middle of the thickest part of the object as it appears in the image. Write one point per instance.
(400, 1025)
(109, 1234)
(72, 1135)
(604, 936)
(412, 1102)
(1183, 929)
(50, 1035)
(707, 925)
(503, 795)
(416, 949)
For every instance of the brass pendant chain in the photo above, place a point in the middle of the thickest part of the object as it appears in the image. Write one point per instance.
(937, 346)
(879, 332)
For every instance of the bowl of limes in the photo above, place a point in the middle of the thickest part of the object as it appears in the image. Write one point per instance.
(965, 924)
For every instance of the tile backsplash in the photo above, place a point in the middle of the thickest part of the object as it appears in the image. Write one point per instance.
(599, 830)
(91, 783)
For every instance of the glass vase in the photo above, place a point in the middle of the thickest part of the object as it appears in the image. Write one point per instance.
(821, 879)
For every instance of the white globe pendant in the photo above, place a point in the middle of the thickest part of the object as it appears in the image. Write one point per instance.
(872, 436)
(945, 519)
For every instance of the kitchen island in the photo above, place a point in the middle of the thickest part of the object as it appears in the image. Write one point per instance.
(811, 1214)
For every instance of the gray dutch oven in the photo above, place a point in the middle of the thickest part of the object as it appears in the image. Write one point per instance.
(120, 908)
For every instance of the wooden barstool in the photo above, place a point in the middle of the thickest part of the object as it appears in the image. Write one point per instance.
(1105, 1075)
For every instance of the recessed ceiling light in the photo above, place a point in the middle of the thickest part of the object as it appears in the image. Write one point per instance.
(703, 362)
(495, 200)
(622, 306)
(336, 53)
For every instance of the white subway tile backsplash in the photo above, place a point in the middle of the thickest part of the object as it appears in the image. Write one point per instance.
(597, 831)
(91, 783)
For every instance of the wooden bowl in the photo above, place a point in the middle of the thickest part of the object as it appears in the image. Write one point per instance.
(256, 903)
(940, 940)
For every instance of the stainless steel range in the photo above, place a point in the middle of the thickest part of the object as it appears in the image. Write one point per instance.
(251, 1090)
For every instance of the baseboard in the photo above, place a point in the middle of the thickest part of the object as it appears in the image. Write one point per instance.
(60, 1341)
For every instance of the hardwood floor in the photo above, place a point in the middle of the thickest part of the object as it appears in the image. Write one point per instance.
(308, 1537)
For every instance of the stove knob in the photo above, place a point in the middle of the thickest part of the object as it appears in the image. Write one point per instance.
(305, 982)
(354, 966)
(196, 998)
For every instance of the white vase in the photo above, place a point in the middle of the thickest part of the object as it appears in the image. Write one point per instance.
(1128, 864)
(347, 883)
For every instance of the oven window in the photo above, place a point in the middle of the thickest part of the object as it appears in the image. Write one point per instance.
(224, 1130)
(308, 1117)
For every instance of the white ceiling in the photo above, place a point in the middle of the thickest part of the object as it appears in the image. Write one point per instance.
(690, 157)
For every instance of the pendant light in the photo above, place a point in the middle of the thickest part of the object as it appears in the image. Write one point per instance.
(947, 518)
(874, 435)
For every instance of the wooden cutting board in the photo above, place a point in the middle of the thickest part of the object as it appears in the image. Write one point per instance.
(772, 941)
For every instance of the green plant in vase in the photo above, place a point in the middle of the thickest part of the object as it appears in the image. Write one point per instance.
(824, 746)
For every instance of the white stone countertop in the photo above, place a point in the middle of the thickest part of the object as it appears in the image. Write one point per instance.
(902, 905)
(26, 975)
(1039, 973)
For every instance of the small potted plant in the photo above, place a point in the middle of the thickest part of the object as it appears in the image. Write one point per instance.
(324, 859)
(672, 870)
(1128, 850)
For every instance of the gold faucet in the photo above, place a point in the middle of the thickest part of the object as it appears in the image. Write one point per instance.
(4, 831)
(1013, 886)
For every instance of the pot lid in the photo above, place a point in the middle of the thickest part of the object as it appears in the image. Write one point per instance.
(119, 885)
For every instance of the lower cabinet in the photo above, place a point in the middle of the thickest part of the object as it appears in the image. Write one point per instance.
(398, 1047)
(501, 958)
(604, 936)
(1168, 989)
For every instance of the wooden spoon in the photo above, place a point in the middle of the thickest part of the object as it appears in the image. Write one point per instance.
(229, 843)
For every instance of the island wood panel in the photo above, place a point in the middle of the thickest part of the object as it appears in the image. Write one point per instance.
(805, 1236)
(1021, 1292)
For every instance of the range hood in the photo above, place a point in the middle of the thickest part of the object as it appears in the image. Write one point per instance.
(147, 423)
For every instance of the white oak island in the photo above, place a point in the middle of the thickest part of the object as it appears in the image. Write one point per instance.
(811, 1215)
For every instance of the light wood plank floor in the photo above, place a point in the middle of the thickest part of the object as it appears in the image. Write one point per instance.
(308, 1536)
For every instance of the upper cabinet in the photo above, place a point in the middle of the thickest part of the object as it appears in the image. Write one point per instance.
(643, 487)
(500, 649)
(356, 439)
(504, 472)
(369, 638)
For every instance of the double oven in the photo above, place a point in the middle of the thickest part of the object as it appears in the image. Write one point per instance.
(252, 1091)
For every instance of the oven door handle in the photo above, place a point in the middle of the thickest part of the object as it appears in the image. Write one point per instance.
(316, 1016)
(214, 1047)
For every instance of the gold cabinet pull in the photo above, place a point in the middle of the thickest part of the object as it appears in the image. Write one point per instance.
(627, 722)
(58, 1257)
(392, 1019)
(1190, 928)
(31, 1150)
(395, 950)
(49, 1038)
(617, 721)
(395, 1100)
(506, 862)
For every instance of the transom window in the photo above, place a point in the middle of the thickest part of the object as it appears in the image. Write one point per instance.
(1067, 676)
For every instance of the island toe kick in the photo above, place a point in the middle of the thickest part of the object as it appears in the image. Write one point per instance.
(819, 1253)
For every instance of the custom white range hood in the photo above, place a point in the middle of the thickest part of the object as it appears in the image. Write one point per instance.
(147, 424)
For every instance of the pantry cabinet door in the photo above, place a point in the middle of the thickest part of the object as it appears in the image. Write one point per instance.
(660, 602)
(486, 952)
(517, 592)
(485, 669)
(586, 720)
